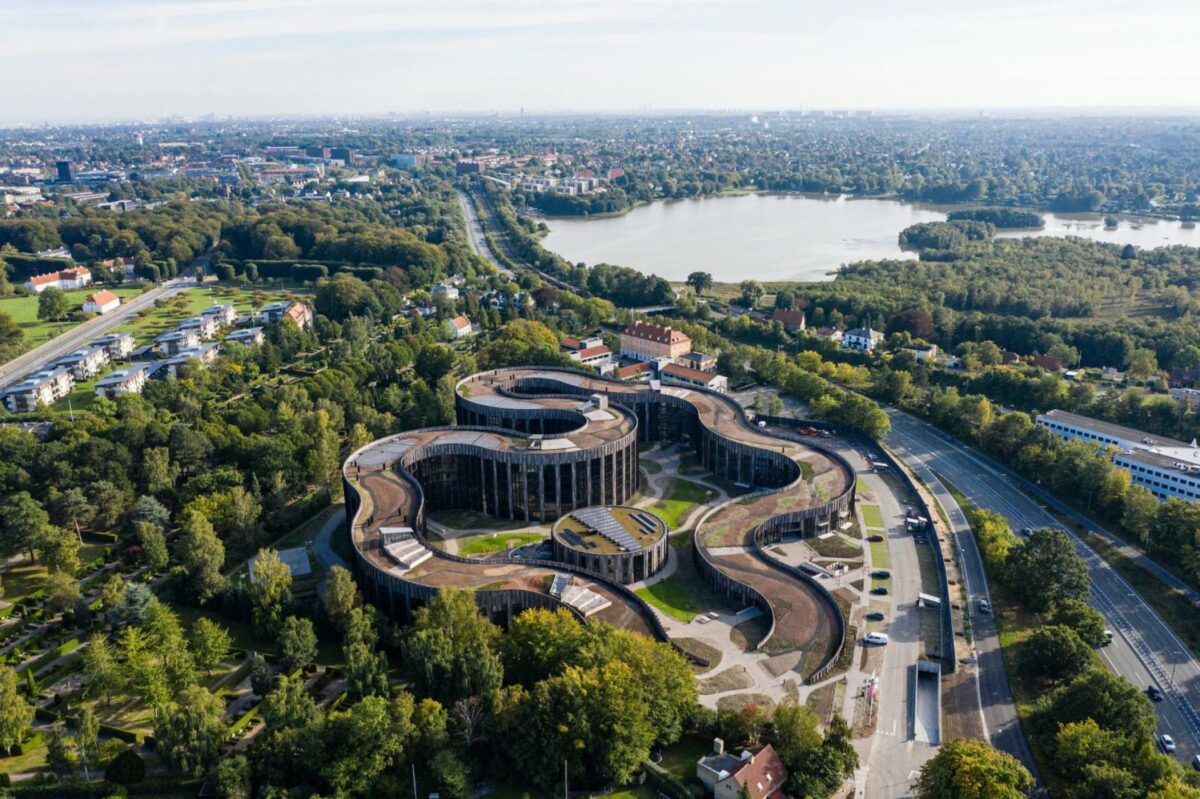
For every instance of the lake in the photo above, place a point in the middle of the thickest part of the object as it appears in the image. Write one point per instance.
(788, 237)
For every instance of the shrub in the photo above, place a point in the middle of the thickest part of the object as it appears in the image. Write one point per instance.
(126, 768)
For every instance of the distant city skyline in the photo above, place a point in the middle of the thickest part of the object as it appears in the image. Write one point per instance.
(85, 61)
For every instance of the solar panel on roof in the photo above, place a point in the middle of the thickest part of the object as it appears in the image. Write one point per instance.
(603, 522)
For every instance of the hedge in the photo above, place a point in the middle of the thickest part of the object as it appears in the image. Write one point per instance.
(665, 782)
(121, 734)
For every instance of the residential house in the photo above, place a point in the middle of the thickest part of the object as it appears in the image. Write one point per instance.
(224, 314)
(101, 302)
(123, 381)
(675, 373)
(276, 312)
(760, 773)
(204, 354)
(86, 363)
(642, 341)
(830, 333)
(248, 336)
(459, 327)
(926, 354)
(791, 319)
(62, 380)
(1050, 363)
(125, 267)
(176, 341)
(699, 361)
(204, 326)
(66, 279)
(445, 290)
(861, 339)
(1184, 376)
(29, 395)
(118, 345)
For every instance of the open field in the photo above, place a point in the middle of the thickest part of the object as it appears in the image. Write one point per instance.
(23, 310)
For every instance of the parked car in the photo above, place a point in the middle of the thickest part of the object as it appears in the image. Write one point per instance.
(881, 574)
(875, 538)
(985, 607)
(1155, 693)
(875, 639)
(880, 591)
(875, 615)
(1167, 743)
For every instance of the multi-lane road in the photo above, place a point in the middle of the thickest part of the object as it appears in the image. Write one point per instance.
(1000, 721)
(1144, 650)
(15, 370)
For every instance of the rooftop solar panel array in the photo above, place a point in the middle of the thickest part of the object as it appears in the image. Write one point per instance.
(603, 522)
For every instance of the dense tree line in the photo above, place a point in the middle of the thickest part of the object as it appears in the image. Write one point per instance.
(1093, 730)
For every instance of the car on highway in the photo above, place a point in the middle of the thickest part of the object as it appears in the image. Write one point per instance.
(874, 615)
(985, 607)
(1166, 743)
(1196, 762)
(875, 639)
(1155, 693)
(879, 590)
(881, 574)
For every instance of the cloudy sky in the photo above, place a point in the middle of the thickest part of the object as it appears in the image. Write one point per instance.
(131, 59)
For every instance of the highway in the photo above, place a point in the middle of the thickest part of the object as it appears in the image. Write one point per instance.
(13, 371)
(1144, 649)
(475, 235)
(1000, 722)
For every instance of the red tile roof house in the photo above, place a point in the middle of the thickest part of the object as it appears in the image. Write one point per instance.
(459, 326)
(790, 319)
(66, 279)
(760, 772)
(645, 342)
(101, 302)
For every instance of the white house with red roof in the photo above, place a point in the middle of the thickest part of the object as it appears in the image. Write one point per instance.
(66, 279)
(459, 327)
(101, 302)
(760, 772)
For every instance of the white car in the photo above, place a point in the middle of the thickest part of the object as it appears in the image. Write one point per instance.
(985, 607)
(876, 639)
(1167, 743)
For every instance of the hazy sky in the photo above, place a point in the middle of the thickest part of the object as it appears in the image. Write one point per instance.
(129, 59)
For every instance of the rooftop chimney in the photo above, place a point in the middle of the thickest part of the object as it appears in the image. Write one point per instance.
(718, 746)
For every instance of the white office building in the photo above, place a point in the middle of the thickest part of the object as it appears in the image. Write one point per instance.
(1166, 467)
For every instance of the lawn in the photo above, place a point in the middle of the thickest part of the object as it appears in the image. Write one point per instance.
(168, 313)
(683, 499)
(871, 516)
(880, 557)
(672, 597)
(23, 310)
(834, 546)
(680, 758)
(491, 543)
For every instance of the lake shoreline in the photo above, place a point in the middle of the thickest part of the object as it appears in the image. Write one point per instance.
(795, 237)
